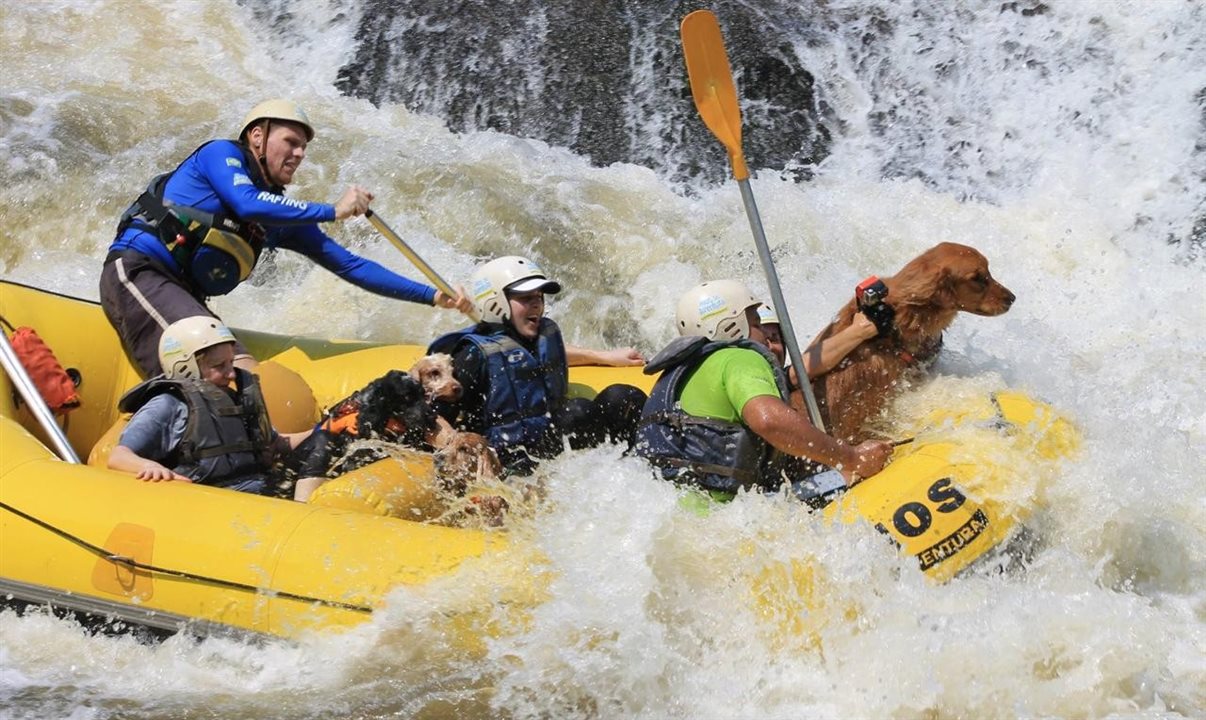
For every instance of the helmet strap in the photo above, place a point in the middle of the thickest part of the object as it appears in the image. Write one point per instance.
(261, 156)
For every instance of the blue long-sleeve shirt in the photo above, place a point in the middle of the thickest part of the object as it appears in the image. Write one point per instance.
(215, 180)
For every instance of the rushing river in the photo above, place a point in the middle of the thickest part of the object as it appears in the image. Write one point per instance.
(1065, 140)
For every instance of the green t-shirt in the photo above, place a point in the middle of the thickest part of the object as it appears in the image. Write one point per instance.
(725, 381)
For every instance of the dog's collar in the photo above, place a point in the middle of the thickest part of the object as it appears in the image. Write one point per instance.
(894, 333)
(908, 357)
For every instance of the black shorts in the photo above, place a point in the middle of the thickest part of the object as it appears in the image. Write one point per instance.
(141, 298)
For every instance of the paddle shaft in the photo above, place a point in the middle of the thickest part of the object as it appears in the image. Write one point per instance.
(772, 281)
(37, 406)
(385, 230)
(715, 97)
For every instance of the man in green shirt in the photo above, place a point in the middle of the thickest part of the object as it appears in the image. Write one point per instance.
(721, 406)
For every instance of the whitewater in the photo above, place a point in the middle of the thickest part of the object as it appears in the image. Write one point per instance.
(1067, 144)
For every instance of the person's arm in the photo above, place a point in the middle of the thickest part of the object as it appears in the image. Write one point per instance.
(460, 301)
(293, 439)
(292, 225)
(787, 430)
(222, 164)
(620, 357)
(821, 356)
(749, 384)
(281, 444)
(126, 460)
(149, 437)
(312, 242)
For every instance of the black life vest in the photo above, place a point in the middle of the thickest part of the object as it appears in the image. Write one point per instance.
(228, 435)
(215, 251)
(711, 453)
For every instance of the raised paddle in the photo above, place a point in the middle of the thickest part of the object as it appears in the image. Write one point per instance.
(414, 258)
(716, 99)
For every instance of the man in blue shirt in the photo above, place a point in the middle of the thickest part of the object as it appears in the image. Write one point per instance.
(198, 231)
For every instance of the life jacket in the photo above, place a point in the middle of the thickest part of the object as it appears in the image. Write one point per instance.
(227, 436)
(215, 251)
(713, 454)
(524, 389)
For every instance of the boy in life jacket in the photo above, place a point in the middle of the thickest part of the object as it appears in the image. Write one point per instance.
(190, 425)
(199, 230)
(514, 368)
(722, 405)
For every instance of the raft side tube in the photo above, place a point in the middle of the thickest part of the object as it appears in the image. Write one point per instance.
(927, 504)
(250, 562)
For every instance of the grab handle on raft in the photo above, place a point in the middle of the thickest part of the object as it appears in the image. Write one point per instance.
(716, 100)
(435, 278)
(37, 405)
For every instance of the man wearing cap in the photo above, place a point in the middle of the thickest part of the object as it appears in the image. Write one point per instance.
(197, 232)
(514, 368)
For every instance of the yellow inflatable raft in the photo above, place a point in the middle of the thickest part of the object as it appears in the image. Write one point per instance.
(174, 555)
(170, 555)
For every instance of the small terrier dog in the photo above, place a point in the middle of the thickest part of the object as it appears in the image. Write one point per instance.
(465, 457)
(434, 374)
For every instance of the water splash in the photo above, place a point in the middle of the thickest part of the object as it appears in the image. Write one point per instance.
(1064, 143)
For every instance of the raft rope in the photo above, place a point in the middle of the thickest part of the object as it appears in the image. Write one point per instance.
(136, 565)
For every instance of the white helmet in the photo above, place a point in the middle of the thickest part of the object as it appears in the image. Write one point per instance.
(183, 339)
(766, 315)
(491, 282)
(278, 109)
(716, 310)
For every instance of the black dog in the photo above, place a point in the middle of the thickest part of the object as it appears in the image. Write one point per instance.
(393, 408)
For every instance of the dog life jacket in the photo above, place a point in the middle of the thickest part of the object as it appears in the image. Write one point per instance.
(227, 435)
(713, 454)
(215, 251)
(524, 389)
(344, 419)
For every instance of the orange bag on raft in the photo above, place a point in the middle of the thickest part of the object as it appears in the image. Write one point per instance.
(53, 383)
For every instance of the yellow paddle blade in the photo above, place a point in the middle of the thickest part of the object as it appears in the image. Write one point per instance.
(712, 84)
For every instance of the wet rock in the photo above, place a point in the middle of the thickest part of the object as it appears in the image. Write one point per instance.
(605, 79)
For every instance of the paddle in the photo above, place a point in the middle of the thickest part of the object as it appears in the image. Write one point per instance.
(716, 99)
(25, 385)
(414, 258)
